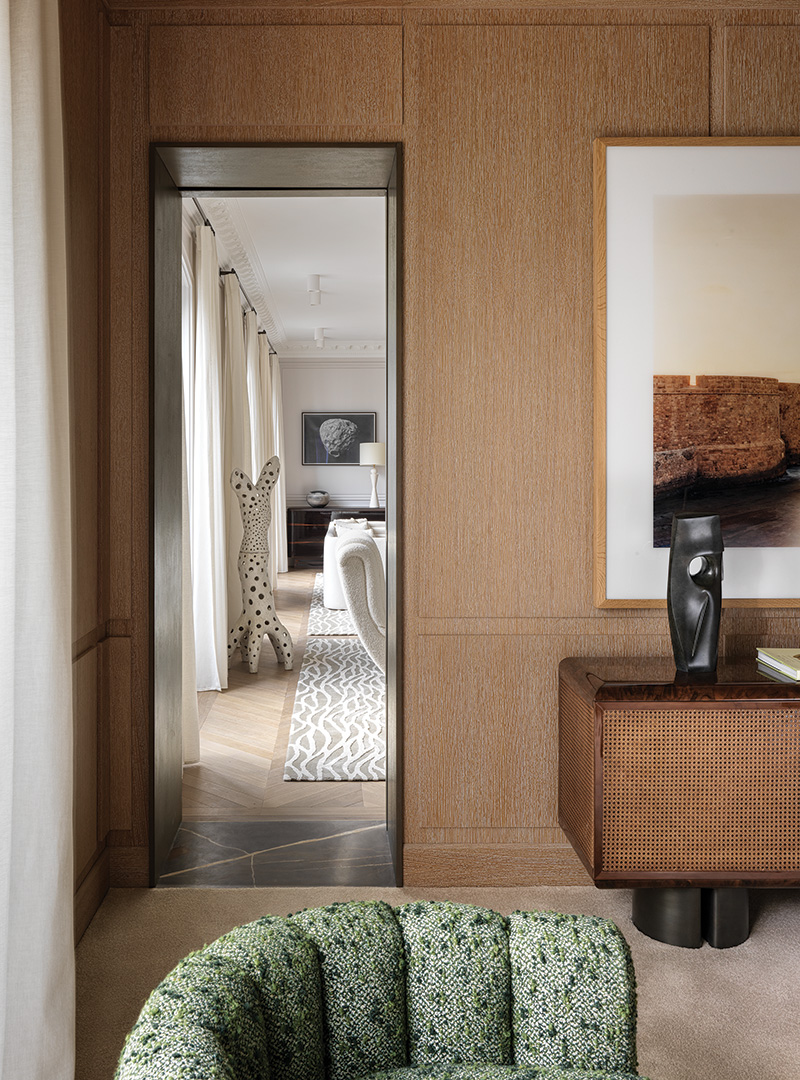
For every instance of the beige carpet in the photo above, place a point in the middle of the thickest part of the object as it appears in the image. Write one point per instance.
(703, 1014)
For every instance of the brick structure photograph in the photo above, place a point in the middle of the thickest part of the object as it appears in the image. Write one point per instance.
(726, 392)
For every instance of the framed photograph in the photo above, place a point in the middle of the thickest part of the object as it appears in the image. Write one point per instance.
(697, 362)
(333, 438)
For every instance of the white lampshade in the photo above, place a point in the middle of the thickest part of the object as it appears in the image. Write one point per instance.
(372, 453)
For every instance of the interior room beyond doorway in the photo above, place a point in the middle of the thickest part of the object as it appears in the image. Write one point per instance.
(244, 822)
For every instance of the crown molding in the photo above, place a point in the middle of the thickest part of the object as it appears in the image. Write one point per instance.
(344, 350)
(232, 231)
(332, 363)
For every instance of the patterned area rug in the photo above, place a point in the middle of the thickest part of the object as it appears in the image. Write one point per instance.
(338, 727)
(327, 622)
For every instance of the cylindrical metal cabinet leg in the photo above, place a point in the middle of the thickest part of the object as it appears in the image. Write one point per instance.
(669, 915)
(726, 917)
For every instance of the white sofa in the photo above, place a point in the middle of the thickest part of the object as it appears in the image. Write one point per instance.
(363, 577)
(332, 592)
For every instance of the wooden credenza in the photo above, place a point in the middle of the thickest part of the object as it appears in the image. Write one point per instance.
(306, 527)
(678, 783)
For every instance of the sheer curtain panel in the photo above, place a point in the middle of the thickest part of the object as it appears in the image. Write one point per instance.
(208, 500)
(36, 746)
(279, 546)
(255, 401)
(265, 390)
(238, 454)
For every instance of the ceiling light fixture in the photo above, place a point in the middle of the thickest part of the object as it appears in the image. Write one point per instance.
(312, 288)
(319, 336)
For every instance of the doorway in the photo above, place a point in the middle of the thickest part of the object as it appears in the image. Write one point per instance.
(178, 172)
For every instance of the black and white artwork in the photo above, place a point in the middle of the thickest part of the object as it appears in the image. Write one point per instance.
(334, 438)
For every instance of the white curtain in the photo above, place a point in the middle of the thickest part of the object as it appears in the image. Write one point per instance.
(208, 499)
(255, 402)
(265, 389)
(280, 556)
(238, 454)
(36, 872)
(234, 420)
(189, 714)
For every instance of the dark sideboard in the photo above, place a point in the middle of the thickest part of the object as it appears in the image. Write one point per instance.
(306, 527)
(676, 785)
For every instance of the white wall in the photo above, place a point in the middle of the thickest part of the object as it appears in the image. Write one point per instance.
(329, 385)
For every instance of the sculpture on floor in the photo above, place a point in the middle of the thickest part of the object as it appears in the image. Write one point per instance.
(258, 615)
(694, 594)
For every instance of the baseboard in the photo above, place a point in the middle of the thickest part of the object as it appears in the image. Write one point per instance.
(89, 894)
(129, 867)
(446, 865)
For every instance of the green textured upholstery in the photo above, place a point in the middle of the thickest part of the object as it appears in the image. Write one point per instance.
(428, 991)
(284, 964)
(458, 984)
(574, 992)
(361, 956)
(204, 1020)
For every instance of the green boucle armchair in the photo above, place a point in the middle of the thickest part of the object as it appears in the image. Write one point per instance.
(428, 991)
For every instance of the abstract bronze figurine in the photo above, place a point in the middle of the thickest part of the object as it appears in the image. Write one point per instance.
(694, 591)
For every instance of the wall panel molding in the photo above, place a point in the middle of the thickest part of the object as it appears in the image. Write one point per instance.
(276, 75)
(762, 80)
(502, 372)
(496, 108)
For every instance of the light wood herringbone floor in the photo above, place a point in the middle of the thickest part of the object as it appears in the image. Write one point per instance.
(244, 734)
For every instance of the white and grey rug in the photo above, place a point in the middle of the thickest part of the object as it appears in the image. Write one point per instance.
(327, 622)
(338, 729)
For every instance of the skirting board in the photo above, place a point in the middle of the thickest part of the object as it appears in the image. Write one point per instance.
(89, 895)
(129, 867)
(446, 865)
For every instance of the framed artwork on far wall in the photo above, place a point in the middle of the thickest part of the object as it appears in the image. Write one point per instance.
(333, 438)
(697, 362)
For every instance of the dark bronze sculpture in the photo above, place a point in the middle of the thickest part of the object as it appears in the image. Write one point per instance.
(694, 592)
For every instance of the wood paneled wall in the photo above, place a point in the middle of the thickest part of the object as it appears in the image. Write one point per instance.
(496, 108)
(82, 28)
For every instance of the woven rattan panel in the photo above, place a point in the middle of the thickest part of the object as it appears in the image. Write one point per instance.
(576, 768)
(701, 789)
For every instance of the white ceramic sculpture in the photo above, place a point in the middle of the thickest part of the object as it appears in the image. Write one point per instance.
(258, 615)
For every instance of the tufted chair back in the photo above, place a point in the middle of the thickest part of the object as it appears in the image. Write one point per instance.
(364, 990)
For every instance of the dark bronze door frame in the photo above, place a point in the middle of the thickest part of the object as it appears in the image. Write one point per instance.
(240, 171)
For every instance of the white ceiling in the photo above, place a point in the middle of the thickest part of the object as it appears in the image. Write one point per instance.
(275, 243)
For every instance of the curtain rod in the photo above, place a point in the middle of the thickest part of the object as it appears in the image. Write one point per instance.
(222, 273)
(273, 352)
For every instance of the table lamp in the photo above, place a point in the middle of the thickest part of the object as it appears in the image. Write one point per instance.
(374, 454)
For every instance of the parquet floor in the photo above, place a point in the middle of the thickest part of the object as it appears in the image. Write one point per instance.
(244, 733)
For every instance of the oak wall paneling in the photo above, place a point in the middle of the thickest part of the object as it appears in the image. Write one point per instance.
(762, 80)
(119, 345)
(80, 30)
(496, 108)
(117, 664)
(492, 864)
(506, 238)
(86, 773)
(282, 75)
(502, 374)
(82, 169)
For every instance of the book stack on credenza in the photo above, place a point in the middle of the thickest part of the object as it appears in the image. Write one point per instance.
(783, 665)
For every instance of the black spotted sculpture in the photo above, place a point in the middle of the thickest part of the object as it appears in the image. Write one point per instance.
(694, 591)
(258, 615)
